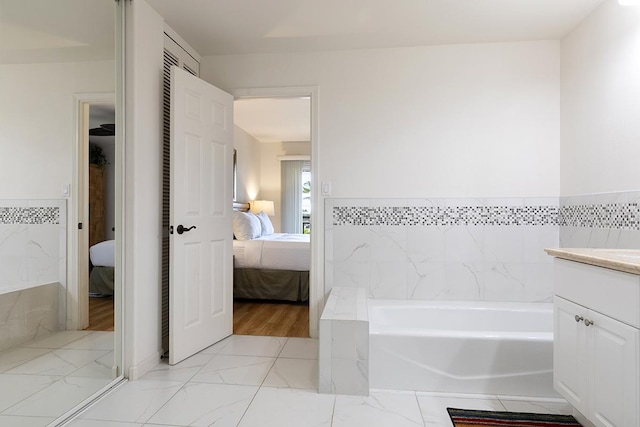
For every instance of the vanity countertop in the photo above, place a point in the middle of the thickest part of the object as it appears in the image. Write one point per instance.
(627, 260)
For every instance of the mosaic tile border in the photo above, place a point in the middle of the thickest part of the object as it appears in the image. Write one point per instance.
(613, 216)
(446, 216)
(610, 215)
(30, 215)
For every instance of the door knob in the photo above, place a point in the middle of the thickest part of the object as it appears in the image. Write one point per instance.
(588, 322)
(181, 229)
(578, 318)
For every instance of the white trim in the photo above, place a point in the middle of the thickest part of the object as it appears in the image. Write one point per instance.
(316, 274)
(136, 371)
(121, 328)
(294, 157)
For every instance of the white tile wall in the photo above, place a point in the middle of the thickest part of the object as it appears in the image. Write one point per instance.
(622, 233)
(448, 262)
(344, 343)
(467, 248)
(32, 268)
(32, 252)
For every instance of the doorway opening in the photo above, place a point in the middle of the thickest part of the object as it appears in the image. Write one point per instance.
(272, 139)
(95, 192)
(101, 219)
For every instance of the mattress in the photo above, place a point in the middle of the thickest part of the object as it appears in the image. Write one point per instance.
(280, 251)
(103, 254)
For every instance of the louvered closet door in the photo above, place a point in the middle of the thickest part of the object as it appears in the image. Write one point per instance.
(174, 55)
(169, 61)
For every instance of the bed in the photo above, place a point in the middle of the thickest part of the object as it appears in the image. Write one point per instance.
(102, 256)
(267, 265)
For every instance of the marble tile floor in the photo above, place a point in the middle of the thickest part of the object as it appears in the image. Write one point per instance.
(42, 379)
(266, 381)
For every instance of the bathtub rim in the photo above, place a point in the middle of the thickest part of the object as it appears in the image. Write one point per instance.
(473, 306)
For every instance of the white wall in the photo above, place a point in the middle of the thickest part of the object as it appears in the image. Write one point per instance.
(248, 165)
(297, 148)
(463, 120)
(37, 122)
(600, 98)
(145, 41)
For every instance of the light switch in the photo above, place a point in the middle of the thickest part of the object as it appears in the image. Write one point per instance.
(326, 188)
(66, 190)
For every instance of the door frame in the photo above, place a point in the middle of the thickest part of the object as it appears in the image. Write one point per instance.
(316, 272)
(78, 267)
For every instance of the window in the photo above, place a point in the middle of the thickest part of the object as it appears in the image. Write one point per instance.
(306, 198)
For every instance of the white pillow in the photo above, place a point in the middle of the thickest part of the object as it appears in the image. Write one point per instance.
(265, 222)
(246, 226)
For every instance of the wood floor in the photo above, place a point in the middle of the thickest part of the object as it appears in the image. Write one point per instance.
(100, 314)
(249, 318)
(270, 319)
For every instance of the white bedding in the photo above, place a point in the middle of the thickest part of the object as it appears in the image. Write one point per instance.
(103, 254)
(280, 251)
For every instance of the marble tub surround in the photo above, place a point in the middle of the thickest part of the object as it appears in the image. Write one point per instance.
(32, 243)
(32, 269)
(29, 314)
(344, 343)
(488, 249)
(605, 220)
(627, 260)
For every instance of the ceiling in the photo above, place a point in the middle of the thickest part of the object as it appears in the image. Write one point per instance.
(274, 119)
(215, 27)
(74, 30)
(101, 114)
(56, 31)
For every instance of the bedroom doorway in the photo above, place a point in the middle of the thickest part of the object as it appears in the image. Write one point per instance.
(96, 212)
(101, 221)
(273, 164)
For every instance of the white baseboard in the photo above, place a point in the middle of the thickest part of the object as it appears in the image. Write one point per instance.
(137, 371)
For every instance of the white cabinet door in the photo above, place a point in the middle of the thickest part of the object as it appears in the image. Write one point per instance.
(612, 347)
(569, 357)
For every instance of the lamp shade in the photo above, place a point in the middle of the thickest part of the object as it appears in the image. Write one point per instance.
(265, 206)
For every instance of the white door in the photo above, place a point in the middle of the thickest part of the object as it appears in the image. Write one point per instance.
(200, 284)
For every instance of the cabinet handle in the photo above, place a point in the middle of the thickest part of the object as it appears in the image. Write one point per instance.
(588, 322)
(578, 318)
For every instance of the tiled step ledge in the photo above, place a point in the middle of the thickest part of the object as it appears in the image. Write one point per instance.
(344, 343)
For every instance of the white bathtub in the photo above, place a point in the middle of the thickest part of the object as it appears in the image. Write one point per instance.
(462, 347)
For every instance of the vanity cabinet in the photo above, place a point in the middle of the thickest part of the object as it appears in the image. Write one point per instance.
(596, 352)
